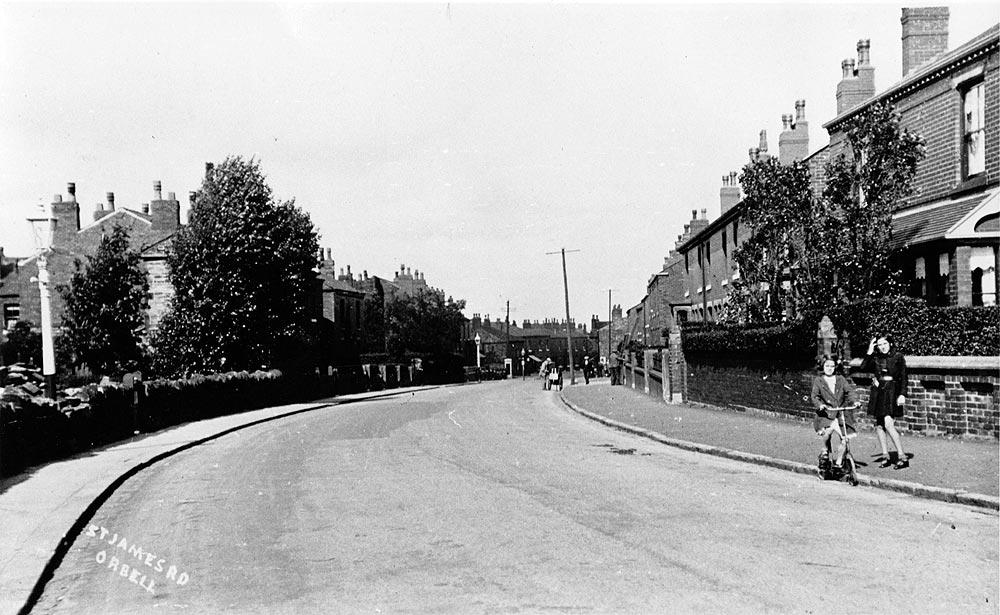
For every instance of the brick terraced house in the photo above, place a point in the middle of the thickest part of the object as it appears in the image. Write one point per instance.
(947, 234)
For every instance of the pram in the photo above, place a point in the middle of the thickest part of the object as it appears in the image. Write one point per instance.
(848, 470)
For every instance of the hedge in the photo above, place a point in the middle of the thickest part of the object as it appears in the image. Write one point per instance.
(914, 327)
(35, 429)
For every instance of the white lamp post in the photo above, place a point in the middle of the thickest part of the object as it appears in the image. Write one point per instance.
(43, 226)
(478, 339)
(522, 363)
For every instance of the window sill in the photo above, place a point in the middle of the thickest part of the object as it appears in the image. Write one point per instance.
(969, 185)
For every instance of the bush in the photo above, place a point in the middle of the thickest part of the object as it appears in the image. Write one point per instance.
(785, 342)
(917, 328)
(914, 327)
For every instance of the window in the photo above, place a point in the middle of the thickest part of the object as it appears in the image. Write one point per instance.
(973, 131)
(983, 268)
(11, 314)
(919, 285)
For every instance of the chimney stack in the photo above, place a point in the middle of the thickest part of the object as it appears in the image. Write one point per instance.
(67, 214)
(165, 214)
(729, 194)
(793, 144)
(99, 211)
(110, 196)
(865, 72)
(925, 36)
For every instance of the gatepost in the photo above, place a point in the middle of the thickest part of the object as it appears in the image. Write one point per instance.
(665, 378)
(678, 366)
(631, 365)
(826, 339)
(647, 362)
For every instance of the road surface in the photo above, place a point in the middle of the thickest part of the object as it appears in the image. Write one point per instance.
(494, 498)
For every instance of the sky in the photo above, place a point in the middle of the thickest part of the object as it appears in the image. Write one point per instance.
(465, 140)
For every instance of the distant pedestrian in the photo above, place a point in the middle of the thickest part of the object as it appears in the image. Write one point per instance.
(553, 377)
(887, 396)
(615, 365)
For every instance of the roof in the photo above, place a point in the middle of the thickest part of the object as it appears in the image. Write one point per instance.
(340, 286)
(971, 51)
(934, 221)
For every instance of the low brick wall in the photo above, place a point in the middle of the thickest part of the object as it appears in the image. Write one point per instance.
(946, 396)
(774, 388)
(949, 396)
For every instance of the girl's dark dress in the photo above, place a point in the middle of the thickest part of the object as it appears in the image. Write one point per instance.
(889, 382)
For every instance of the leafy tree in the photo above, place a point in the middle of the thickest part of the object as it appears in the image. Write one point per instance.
(778, 207)
(23, 344)
(242, 270)
(106, 301)
(864, 186)
(423, 324)
(832, 248)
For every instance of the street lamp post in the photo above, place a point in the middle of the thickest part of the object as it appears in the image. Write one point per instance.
(522, 364)
(478, 340)
(43, 227)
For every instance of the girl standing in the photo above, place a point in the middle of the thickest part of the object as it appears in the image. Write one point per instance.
(888, 395)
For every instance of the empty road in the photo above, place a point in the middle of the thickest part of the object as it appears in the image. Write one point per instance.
(494, 498)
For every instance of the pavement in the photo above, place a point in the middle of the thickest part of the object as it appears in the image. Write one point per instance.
(966, 471)
(44, 508)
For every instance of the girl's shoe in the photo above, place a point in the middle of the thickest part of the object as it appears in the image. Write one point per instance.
(902, 463)
(885, 463)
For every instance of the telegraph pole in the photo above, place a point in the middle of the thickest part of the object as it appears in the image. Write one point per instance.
(569, 334)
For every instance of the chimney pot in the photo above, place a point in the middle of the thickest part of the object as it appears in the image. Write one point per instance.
(57, 198)
(704, 213)
(694, 214)
(763, 141)
(192, 196)
(171, 196)
(71, 189)
(208, 168)
(864, 49)
(145, 208)
(329, 254)
(847, 68)
(800, 110)
(157, 194)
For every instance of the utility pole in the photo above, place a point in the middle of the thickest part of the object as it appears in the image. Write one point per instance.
(609, 328)
(569, 335)
(507, 348)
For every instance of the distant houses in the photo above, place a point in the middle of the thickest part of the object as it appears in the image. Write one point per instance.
(340, 301)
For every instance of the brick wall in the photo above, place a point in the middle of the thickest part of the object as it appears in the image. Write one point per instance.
(946, 396)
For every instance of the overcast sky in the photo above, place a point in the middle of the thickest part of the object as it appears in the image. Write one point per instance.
(463, 140)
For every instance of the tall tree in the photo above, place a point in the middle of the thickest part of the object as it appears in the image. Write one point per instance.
(828, 249)
(865, 184)
(423, 324)
(106, 301)
(242, 270)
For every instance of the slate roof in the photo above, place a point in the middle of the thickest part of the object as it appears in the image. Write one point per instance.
(932, 222)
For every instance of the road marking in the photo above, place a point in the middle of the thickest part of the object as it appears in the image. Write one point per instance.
(450, 417)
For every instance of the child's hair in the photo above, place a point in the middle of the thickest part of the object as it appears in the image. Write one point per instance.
(829, 357)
